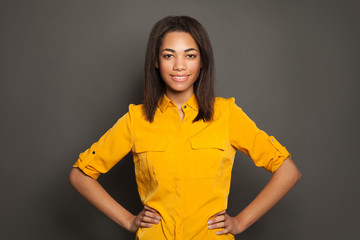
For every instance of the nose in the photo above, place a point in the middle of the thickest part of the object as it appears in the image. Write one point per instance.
(179, 64)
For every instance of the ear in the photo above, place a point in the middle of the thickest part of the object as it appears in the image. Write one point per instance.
(157, 64)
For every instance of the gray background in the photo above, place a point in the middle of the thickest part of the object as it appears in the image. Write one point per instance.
(69, 70)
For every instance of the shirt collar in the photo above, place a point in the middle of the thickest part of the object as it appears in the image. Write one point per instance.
(165, 102)
(192, 103)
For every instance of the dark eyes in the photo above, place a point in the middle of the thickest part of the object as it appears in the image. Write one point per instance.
(167, 56)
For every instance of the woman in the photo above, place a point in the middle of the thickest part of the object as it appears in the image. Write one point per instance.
(183, 141)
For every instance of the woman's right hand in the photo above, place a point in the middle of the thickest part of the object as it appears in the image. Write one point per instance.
(145, 219)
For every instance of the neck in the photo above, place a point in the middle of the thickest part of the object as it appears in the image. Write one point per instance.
(179, 98)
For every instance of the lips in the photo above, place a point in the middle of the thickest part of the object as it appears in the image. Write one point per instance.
(180, 78)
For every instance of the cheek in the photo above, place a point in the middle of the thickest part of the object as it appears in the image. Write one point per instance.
(162, 72)
(196, 67)
(164, 68)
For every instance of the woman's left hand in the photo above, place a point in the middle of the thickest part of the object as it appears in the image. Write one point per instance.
(226, 223)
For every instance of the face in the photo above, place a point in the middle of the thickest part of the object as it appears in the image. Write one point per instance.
(179, 63)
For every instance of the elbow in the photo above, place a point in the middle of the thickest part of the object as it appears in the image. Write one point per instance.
(290, 171)
(74, 176)
(78, 178)
(297, 175)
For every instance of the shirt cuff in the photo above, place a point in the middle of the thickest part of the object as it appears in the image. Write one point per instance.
(88, 170)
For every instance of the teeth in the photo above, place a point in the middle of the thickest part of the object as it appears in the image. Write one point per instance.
(180, 77)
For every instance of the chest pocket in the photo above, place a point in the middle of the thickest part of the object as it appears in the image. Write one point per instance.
(207, 156)
(150, 159)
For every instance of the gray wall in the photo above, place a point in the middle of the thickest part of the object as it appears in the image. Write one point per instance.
(69, 69)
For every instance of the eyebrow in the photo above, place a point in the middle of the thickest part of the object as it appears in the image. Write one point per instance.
(172, 50)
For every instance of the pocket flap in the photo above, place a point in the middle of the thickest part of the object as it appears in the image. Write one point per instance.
(217, 142)
(150, 145)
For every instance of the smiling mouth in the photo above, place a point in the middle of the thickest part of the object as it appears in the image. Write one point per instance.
(179, 78)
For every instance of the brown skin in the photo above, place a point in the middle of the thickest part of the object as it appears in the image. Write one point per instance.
(179, 56)
(282, 181)
(91, 190)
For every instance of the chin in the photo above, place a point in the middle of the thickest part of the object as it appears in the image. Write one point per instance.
(180, 88)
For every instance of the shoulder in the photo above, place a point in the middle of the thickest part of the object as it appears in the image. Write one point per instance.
(135, 108)
(227, 106)
(224, 102)
(223, 107)
(136, 111)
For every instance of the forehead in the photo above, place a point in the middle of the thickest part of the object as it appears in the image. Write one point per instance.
(178, 40)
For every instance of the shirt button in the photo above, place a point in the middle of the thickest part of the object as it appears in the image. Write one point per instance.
(184, 106)
(93, 152)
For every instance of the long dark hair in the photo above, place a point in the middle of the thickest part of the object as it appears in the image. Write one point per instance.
(154, 89)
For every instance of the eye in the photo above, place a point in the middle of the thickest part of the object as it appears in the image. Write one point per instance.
(191, 56)
(167, 56)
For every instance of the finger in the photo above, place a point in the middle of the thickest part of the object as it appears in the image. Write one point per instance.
(220, 218)
(150, 220)
(152, 215)
(217, 225)
(145, 225)
(222, 232)
(219, 213)
(150, 209)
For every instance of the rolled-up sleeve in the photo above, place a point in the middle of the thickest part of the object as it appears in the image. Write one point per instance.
(264, 150)
(108, 150)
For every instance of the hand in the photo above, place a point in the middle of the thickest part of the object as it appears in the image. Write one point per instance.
(227, 223)
(146, 218)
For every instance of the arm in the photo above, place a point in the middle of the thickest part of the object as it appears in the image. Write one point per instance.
(279, 185)
(91, 189)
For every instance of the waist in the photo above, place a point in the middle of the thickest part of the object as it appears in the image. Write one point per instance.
(185, 207)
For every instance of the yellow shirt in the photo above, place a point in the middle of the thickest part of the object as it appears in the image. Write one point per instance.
(183, 169)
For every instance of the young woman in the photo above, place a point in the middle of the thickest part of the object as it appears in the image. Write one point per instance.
(183, 141)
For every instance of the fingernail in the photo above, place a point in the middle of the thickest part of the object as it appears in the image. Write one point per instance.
(156, 221)
(217, 233)
(210, 227)
(209, 222)
(158, 217)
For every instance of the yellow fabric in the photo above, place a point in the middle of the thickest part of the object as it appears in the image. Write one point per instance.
(183, 169)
